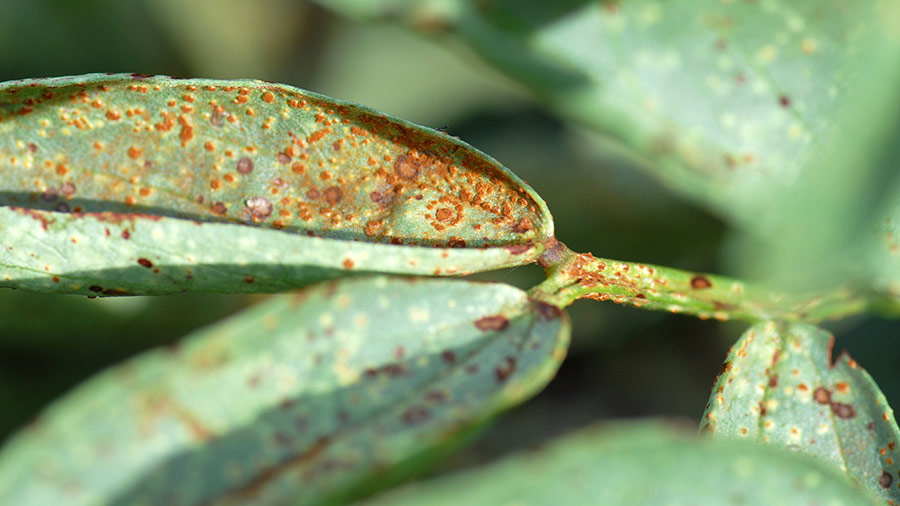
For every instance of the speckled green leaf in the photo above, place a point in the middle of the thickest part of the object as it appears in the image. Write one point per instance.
(103, 171)
(640, 464)
(305, 398)
(730, 100)
(779, 386)
(772, 113)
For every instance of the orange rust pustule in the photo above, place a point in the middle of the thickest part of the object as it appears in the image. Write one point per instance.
(196, 151)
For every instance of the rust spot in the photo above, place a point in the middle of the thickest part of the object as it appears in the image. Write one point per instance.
(762, 409)
(444, 214)
(95, 288)
(700, 282)
(333, 194)
(784, 100)
(348, 263)
(554, 253)
(822, 395)
(885, 479)
(245, 165)
(283, 158)
(414, 415)
(546, 311)
(495, 322)
(146, 263)
(773, 381)
(448, 356)
(842, 410)
(219, 208)
(259, 207)
(135, 152)
(67, 189)
(406, 167)
(505, 369)
(518, 249)
(249, 279)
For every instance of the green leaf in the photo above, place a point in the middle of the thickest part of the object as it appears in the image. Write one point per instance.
(93, 162)
(779, 386)
(306, 398)
(771, 113)
(645, 463)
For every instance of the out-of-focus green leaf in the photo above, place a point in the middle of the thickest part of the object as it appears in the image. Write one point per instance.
(640, 464)
(770, 112)
(779, 386)
(92, 163)
(305, 398)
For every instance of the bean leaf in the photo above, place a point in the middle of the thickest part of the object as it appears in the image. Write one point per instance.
(305, 398)
(779, 386)
(91, 161)
(646, 463)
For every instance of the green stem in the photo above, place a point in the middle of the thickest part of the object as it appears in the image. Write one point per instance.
(572, 276)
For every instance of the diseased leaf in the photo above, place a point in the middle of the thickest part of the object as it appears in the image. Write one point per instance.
(303, 399)
(646, 463)
(779, 386)
(126, 150)
(121, 254)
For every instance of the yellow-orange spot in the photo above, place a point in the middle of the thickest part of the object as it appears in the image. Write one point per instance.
(135, 152)
(61, 169)
(268, 97)
(209, 146)
(298, 168)
(145, 192)
(113, 114)
(129, 200)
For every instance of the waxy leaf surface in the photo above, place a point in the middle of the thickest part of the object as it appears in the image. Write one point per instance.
(132, 149)
(643, 463)
(306, 398)
(779, 386)
(772, 113)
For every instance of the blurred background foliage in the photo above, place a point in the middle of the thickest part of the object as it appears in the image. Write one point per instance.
(624, 362)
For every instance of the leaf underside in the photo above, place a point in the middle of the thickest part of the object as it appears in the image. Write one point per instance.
(779, 386)
(304, 398)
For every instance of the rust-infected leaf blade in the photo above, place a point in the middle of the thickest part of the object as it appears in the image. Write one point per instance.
(121, 254)
(303, 399)
(255, 153)
(779, 386)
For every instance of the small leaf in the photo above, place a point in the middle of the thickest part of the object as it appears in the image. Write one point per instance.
(779, 386)
(132, 149)
(645, 463)
(304, 398)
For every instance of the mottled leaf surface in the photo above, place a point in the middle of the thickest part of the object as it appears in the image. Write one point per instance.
(779, 386)
(645, 463)
(121, 254)
(305, 398)
(130, 148)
